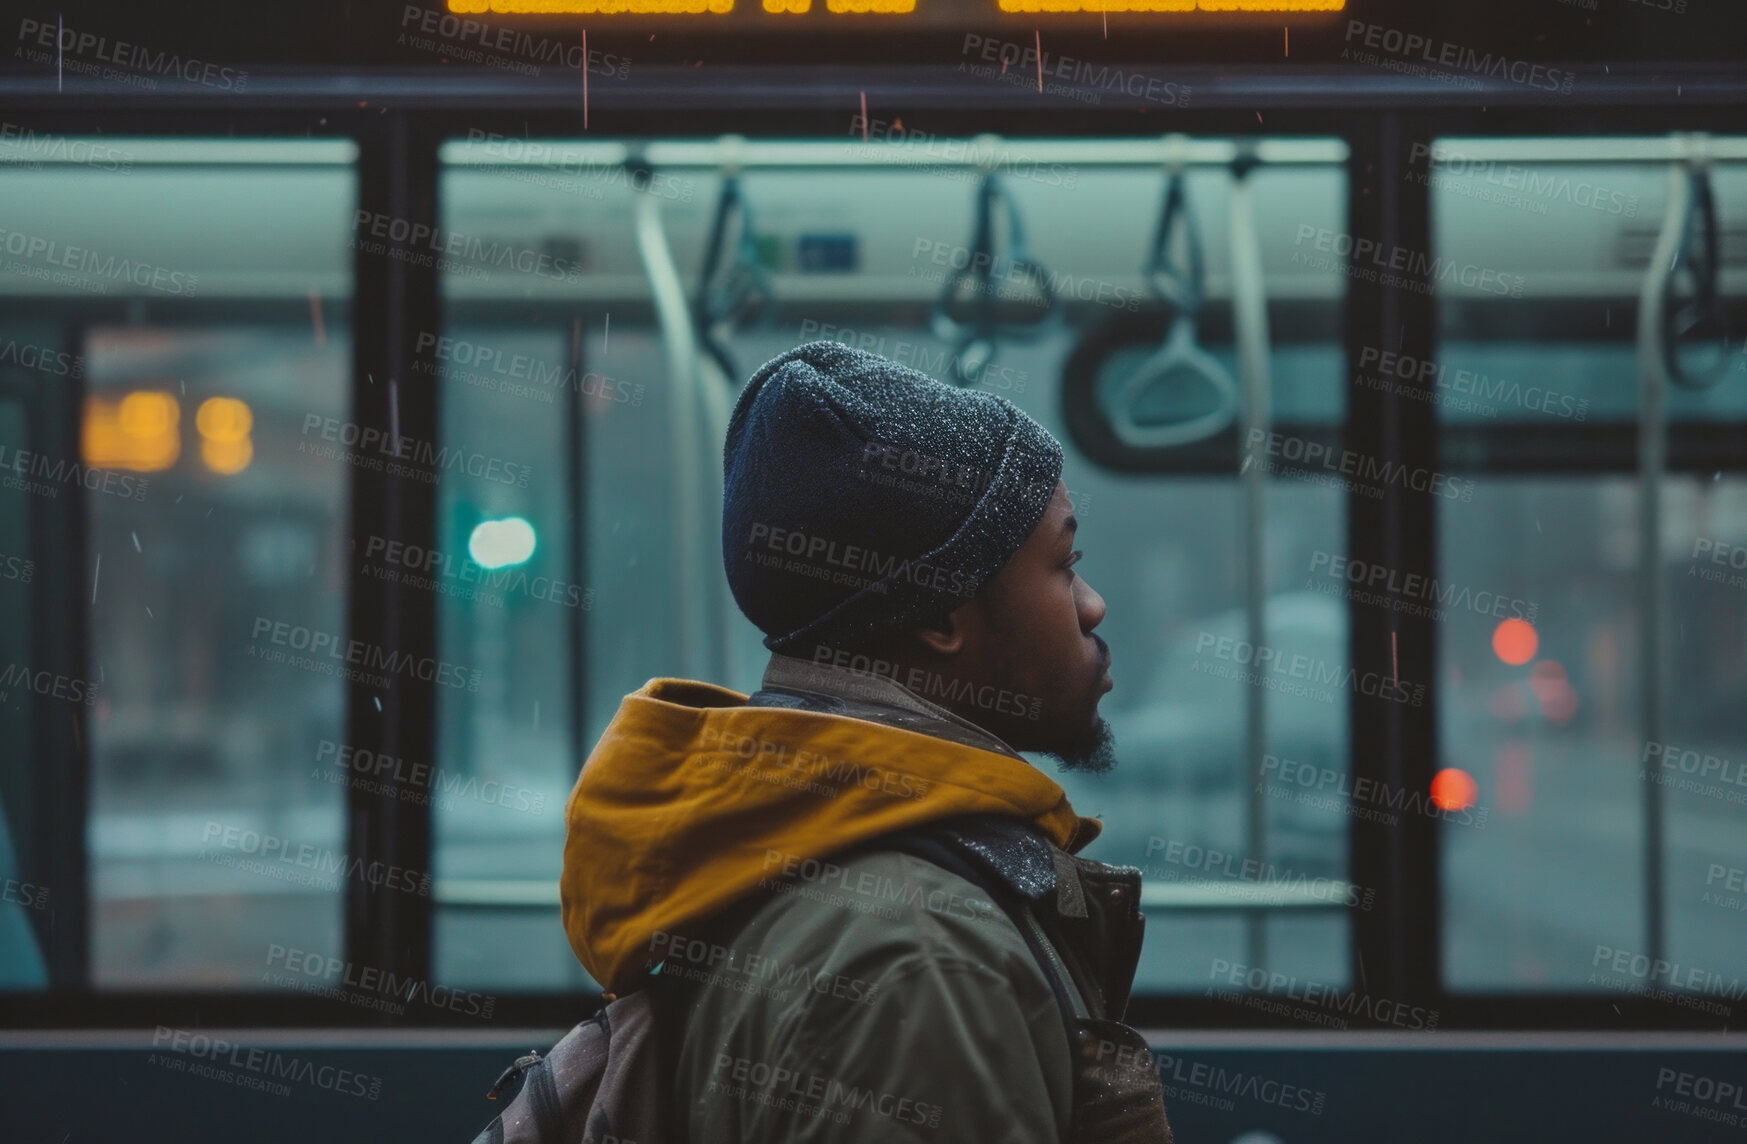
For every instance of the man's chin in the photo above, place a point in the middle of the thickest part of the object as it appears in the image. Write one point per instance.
(1092, 753)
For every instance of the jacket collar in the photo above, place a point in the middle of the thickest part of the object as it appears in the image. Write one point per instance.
(866, 695)
(1014, 852)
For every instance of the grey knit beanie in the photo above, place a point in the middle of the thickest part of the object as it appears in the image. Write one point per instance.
(862, 497)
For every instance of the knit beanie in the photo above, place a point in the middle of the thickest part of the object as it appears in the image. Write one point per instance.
(862, 497)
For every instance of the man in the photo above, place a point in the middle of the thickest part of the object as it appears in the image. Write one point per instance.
(864, 897)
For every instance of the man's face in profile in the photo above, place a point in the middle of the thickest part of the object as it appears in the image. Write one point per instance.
(1030, 632)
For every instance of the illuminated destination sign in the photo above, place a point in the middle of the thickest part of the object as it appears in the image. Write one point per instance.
(723, 7)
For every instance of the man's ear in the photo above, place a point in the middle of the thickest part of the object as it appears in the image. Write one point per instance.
(950, 636)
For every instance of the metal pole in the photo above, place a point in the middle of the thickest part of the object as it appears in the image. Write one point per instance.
(1250, 322)
(1652, 459)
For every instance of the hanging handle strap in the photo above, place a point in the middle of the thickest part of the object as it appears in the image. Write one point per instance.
(973, 335)
(1700, 311)
(734, 290)
(1180, 362)
(1181, 287)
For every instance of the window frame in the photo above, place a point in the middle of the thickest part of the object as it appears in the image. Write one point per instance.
(1396, 949)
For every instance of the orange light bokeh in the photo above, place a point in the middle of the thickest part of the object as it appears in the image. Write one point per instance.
(1453, 789)
(227, 457)
(1546, 672)
(224, 424)
(1553, 691)
(1513, 770)
(138, 432)
(594, 7)
(224, 419)
(718, 7)
(1514, 642)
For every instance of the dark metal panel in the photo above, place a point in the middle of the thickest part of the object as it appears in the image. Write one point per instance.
(47, 634)
(1393, 743)
(388, 927)
(936, 90)
(61, 640)
(1460, 34)
(1597, 448)
(1612, 1012)
(572, 408)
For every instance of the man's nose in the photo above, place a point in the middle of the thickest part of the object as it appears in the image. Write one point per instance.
(1091, 606)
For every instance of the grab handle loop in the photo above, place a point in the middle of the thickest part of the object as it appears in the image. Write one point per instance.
(1181, 288)
(734, 289)
(965, 313)
(1700, 312)
(1180, 362)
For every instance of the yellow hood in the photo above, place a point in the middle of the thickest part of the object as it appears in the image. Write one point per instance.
(689, 792)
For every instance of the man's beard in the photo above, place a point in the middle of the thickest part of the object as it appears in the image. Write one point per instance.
(1092, 753)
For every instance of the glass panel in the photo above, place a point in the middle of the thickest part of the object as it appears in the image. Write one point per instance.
(511, 607)
(1547, 717)
(202, 289)
(853, 256)
(1177, 805)
(23, 894)
(1539, 270)
(1701, 762)
(1550, 748)
(212, 751)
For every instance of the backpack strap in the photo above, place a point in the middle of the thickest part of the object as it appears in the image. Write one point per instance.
(509, 1082)
(530, 1075)
(543, 1098)
(1017, 909)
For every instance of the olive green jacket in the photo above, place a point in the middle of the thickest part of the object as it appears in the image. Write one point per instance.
(877, 996)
